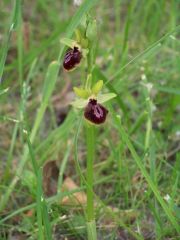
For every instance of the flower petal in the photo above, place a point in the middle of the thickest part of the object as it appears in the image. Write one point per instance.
(101, 98)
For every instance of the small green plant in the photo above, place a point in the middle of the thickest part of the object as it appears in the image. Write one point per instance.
(131, 145)
(90, 99)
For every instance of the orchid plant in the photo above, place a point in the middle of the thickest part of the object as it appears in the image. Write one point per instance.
(90, 98)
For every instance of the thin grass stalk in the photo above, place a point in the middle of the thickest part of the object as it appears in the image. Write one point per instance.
(6, 44)
(44, 226)
(39, 206)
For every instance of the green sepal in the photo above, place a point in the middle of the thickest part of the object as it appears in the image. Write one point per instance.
(82, 93)
(91, 32)
(70, 43)
(79, 103)
(97, 87)
(83, 25)
(101, 98)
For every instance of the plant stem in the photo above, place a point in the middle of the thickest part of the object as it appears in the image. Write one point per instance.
(91, 225)
(90, 159)
(90, 141)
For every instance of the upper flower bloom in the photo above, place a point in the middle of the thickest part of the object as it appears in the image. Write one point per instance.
(95, 112)
(72, 58)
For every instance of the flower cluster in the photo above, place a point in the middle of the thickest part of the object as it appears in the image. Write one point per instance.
(89, 97)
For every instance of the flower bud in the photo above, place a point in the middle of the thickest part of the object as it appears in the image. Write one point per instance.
(72, 58)
(95, 112)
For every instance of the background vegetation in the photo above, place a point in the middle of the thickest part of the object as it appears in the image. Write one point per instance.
(42, 139)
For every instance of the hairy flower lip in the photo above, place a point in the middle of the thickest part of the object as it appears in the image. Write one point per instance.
(95, 112)
(72, 58)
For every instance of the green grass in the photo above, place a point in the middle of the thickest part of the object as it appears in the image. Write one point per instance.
(136, 164)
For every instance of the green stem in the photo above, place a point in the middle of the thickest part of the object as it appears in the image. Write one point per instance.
(90, 141)
(91, 226)
(90, 159)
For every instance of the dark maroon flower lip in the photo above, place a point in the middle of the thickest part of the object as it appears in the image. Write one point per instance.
(72, 58)
(95, 112)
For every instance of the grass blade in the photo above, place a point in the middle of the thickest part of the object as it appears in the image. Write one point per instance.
(168, 90)
(14, 18)
(42, 213)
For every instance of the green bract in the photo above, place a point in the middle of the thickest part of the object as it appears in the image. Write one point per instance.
(91, 31)
(83, 25)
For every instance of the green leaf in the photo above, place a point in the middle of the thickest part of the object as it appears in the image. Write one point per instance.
(97, 87)
(82, 93)
(47, 91)
(50, 81)
(69, 42)
(105, 97)
(79, 103)
(15, 13)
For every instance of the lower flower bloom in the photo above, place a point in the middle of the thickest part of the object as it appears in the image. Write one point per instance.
(95, 112)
